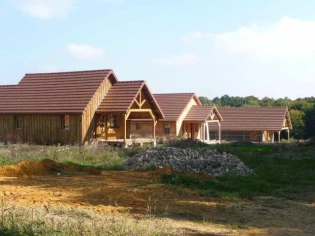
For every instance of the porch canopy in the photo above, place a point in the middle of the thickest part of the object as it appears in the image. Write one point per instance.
(132, 100)
(202, 116)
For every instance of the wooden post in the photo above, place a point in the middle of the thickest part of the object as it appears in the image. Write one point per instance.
(153, 132)
(207, 130)
(273, 137)
(153, 129)
(106, 127)
(279, 140)
(219, 132)
(125, 129)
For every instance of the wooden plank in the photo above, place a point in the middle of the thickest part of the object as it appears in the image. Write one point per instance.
(153, 129)
(125, 128)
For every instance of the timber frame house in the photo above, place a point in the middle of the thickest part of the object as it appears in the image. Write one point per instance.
(201, 117)
(185, 117)
(82, 106)
(74, 107)
(258, 124)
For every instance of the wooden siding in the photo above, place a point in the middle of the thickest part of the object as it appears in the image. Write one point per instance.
(105, 132)
(146, 129)
(40, 129)
(256, 136)
(89, 116)
(192, 130)
(179, 123)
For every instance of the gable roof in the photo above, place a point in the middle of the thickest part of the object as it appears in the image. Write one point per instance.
(46, 93)
(202, 113)
(121, 95)
(174, 104)
(254, 118)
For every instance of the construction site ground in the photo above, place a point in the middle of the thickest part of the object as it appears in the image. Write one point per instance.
(140, 194)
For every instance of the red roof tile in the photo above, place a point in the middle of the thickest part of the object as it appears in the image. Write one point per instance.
(64, 92)
(174, 104)
(253, 119)
(121, 95)
(202, 113)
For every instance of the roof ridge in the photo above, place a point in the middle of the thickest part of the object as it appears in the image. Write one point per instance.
(174, 94)
(68, 72)
(253, 107)
(131, 81)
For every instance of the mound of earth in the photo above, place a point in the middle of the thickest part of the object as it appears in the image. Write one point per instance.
(210, 162)
(44, 167)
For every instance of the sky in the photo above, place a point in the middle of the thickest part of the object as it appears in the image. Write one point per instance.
(209, 47)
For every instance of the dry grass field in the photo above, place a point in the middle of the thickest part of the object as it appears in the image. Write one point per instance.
(54, 198)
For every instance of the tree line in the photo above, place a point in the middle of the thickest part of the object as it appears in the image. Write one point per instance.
(302, 110)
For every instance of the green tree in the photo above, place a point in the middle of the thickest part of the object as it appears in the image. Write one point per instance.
(297, 119)
(250, 101)
(267, 102)
(205, 100)
(310, 123)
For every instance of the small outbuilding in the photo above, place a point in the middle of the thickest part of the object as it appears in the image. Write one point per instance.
(253, 124)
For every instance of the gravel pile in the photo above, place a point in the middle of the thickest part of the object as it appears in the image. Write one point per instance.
(210, 162)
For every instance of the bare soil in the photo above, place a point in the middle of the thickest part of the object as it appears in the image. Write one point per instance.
(54, 184)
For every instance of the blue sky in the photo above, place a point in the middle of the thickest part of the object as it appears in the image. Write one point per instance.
(210, 47)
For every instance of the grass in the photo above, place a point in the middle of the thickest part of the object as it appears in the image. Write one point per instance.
(103, 158)
(33, 221)
(278, 172)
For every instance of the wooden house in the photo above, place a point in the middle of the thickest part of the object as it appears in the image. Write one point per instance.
(184, 117)
(74, 107)
(252, 124)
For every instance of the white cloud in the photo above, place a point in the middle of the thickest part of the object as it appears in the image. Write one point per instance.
(45, 9)
(183, 59)
(85, 52)
(288, 38)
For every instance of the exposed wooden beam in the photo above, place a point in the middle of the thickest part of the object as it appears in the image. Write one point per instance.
(220, 139)
(140, 99)
(142, 103)
(125, 128)
(207, 135)
(141, 111)
(137, 103)
(153, 129)
(128, 114)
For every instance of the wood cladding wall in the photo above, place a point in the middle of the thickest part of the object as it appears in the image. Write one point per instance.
(104, 131)
(146, 129)
(40, 129)
(89, 118)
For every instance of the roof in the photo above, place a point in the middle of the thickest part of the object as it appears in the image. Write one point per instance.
(254, 118)
(202, 113)
(174, 104)
(47, 93)
(121, 95)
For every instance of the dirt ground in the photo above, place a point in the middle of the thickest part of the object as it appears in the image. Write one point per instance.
(52, 184)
